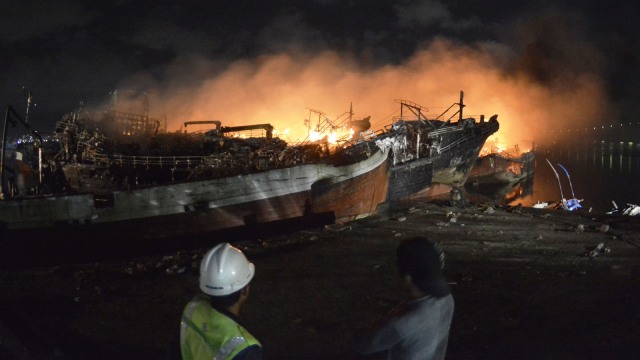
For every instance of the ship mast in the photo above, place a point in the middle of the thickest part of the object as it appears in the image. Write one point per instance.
(461, 104)
(29, 102)
(350, 112)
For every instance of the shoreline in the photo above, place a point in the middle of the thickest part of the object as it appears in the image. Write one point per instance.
(528, 283)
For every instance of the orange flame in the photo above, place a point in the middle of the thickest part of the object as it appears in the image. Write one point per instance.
(276, 89)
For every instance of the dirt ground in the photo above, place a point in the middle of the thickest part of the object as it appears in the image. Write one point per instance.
(528, 284)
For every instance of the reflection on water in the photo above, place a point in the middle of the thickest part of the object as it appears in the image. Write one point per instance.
(600, 172)
(620, 157)
(499, 193)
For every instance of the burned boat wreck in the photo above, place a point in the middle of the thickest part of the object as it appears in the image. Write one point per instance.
(123, 172)
(431, 156)
(137, 181)
(503, 166)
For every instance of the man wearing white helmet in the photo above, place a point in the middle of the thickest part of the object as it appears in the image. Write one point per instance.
(209, 328)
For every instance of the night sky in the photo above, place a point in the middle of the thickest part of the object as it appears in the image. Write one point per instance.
(69, 51)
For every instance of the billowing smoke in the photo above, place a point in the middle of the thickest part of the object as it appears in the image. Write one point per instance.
(278, 89)
(541, 67)
(540, 76)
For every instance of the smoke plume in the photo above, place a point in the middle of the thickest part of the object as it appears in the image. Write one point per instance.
(280, 88)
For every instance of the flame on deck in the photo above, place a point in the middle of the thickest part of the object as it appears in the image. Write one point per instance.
(333, 136)
(494, 145)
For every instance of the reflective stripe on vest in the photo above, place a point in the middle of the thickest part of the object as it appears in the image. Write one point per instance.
(229, 346)
(205, 332)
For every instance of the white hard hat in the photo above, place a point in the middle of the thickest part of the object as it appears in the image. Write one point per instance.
(224, 270)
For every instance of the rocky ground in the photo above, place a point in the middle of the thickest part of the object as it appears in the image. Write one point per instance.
(528, 284)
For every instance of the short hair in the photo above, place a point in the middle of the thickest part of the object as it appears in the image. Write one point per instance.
(423, 260)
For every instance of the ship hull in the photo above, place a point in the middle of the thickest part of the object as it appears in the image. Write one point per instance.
(208, 205)
(410, 179)
(453, 166)
(444, 166)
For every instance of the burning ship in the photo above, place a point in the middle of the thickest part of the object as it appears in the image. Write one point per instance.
(124, 175)
(501, 174)
(503, 166)
(432, 156)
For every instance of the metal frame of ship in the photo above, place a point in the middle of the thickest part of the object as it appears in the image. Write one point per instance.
(140, 189)
(429, 157)
(156, 184)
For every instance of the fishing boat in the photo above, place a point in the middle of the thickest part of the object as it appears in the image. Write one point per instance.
(502, 166)
(123, 176)
(431, 156)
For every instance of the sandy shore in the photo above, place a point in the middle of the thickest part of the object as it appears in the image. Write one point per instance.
(528, 284)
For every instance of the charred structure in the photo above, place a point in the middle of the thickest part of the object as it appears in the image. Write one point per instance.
(121, 170)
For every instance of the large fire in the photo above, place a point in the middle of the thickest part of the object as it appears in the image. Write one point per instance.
(495, 145)
(276, 89)
(332, 136)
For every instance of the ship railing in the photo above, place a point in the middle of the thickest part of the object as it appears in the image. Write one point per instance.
(457, 142)
(61, 126)
(156, 161)
(187, 162)
(421, 120)
(441, 131)
(413, 107)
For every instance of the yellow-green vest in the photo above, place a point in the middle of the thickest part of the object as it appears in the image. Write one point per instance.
(206, 333)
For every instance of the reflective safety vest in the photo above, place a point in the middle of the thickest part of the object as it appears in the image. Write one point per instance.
(206, 333)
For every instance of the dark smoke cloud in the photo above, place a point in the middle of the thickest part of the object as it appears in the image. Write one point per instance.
(31, 19)
(273, 59)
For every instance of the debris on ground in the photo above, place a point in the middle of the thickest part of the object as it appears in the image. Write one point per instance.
(614, 210)
(507, 265)
(598, 250)
(489, 210)
(337, 227)
(442, 224)
(540, 205)
(631, 210)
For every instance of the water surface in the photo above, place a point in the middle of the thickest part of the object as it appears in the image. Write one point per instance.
(599, 172)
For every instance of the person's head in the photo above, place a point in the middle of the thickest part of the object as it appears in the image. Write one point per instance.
(225, 274)
(420, 261)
